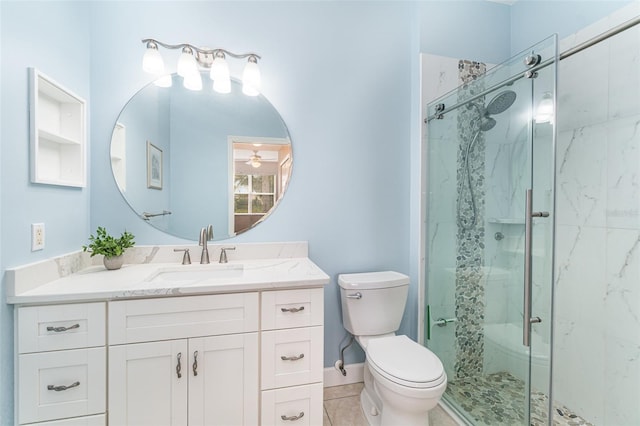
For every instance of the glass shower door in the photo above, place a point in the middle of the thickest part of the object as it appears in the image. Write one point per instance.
(489, 233)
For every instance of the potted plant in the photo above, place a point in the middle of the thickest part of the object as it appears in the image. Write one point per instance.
(111, 248)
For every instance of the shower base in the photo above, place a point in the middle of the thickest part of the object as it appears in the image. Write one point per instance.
(496, 399)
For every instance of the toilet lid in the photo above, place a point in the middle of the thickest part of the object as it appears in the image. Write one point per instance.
(405, 362)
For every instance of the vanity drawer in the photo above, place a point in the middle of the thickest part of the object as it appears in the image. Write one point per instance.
(81, 371)
(132, 321)
(303, 353)
(299, 405)
(292, 308)
(55, 327)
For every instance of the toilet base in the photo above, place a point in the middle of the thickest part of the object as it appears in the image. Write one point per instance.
(375, 417)
(369, 409)
(378, 414)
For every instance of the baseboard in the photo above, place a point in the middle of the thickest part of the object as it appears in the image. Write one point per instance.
(334, 377)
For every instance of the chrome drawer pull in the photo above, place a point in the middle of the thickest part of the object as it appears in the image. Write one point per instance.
(61, 329)
(292, 358)
(179, 366)
(62, 387)
(195, 363)
(293, 418)
(292, 310)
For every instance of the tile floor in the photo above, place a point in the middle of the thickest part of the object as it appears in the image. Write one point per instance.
(342, 408)
(496, 399)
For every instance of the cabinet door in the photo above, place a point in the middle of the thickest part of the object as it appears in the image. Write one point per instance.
(223, 380)
(148, 383)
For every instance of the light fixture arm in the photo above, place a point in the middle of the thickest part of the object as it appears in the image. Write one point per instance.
(201, 51)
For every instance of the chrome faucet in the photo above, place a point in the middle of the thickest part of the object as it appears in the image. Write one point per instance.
(206, 234)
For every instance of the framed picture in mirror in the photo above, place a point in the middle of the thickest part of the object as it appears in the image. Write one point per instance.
(154, 166)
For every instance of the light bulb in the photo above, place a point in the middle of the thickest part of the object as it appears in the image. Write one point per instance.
(544, 112)
(187, 64)
(220, 74)
(251, 81)
(164, 81)
(193, 81)
(152, 60)
(255, 163)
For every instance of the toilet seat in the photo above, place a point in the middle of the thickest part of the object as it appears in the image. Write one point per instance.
(405, 362)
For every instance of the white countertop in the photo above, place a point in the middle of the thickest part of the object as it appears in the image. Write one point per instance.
(158, 279)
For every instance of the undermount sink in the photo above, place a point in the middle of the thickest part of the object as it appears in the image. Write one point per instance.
(195, 273)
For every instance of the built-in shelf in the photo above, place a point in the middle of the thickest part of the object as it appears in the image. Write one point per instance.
(58, 133)
(506, 220)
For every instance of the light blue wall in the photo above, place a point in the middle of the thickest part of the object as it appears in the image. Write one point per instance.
(53, 37)
(344, 76)
(340, 75)
(476, 29)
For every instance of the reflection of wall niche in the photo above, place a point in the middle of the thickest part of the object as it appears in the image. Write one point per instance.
(119, 155)
(57, 120)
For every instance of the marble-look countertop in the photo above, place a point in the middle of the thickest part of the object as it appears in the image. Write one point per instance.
(158, 279)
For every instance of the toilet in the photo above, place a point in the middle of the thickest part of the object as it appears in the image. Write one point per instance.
(403, 380)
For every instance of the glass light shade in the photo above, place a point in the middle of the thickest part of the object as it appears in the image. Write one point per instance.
(220, 75)
(152, 61)
(255, 163)
(193, 81)
(164, 81)
(251, 80)
(187, 64)
(544, 112)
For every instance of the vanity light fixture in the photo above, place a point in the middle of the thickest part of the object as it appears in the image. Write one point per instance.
(152, 60)
(193, 58)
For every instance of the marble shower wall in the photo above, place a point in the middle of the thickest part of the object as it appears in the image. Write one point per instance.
(597, 288)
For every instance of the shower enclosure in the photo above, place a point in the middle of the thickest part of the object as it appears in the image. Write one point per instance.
(532, 242)
(489, 234)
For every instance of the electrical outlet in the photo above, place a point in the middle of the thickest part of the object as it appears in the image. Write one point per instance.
(37, 236)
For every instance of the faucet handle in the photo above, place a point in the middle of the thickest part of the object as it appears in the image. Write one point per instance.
(223, 254)
(186, 258)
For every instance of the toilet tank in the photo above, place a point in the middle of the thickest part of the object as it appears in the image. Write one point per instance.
(381, 305)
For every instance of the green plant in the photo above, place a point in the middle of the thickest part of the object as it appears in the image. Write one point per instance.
(108, 246)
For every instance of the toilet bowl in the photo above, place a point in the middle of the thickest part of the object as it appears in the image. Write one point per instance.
(403, 379)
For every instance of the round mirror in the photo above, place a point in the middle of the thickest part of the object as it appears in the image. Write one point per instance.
(186, 159)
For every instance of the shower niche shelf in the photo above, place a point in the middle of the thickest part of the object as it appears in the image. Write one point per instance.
(57, 133)
(506, 220)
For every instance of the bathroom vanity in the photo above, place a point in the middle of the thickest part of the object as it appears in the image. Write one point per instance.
(162, 343)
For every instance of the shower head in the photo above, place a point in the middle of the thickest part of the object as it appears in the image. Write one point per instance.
(486, 123)
(500, 103)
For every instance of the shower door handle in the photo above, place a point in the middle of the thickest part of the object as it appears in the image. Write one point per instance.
(528, 228)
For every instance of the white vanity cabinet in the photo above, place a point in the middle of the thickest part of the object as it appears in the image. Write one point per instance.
(292, 340)
(246, 358)
(61, 364)
(187, 360)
